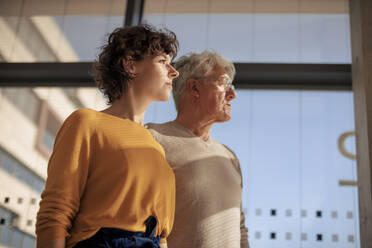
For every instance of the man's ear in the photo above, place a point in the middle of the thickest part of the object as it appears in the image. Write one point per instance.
(192, 86)
(129, 65)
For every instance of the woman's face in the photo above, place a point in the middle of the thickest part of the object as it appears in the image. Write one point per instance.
(154, 76)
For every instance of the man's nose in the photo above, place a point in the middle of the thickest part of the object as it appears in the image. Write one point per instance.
(231, 94)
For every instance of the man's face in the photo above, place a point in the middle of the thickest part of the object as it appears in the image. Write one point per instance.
(216, 95)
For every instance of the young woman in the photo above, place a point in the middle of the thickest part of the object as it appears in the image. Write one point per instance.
(109, 184)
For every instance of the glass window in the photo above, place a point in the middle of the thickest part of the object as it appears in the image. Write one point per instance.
(6, 234)
(8, 164)
(25, 100)
(7, 215)
(286, 142)
(12, 237)
(263, 31)
(39, 185)
(28, 242)
(29, 179)
(48, 128)
(65, 31)
(17, 239)
(48, 139)
(19, 171)
(1, 158)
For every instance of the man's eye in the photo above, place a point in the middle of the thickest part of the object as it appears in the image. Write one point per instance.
(163, 61)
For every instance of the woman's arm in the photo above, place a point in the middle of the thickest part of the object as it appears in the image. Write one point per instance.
(57, 243)
(67, 175)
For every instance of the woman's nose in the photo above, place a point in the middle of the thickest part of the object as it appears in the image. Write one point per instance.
(173, 72)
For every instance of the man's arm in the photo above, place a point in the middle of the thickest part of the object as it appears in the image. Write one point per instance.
(243, 231)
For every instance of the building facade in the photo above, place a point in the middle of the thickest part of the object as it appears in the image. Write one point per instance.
(31, 118)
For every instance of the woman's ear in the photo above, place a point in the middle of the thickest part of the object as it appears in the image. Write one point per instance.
(129, 65)
(192, 86)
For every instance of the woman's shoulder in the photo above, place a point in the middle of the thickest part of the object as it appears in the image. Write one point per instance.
(80, 123)
(83, 114)
(81, 117)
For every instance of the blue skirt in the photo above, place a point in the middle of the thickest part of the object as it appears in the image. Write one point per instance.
(118, 238)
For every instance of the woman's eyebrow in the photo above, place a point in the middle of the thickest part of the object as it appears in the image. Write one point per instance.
(167, 58)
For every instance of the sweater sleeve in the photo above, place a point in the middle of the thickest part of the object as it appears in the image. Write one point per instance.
(163, 240)
(67, 176)
(243, 231)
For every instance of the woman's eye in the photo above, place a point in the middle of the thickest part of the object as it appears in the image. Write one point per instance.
(163, 61)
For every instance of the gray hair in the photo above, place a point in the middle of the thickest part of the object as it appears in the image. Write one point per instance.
(196, 65)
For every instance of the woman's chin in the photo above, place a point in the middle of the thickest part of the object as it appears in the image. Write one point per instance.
(163, 98)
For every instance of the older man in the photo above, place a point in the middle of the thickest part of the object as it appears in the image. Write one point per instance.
(208, 176)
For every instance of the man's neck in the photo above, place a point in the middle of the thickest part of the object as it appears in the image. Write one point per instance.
(197, 126)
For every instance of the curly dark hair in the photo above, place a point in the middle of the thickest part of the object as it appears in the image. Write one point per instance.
(129, 42)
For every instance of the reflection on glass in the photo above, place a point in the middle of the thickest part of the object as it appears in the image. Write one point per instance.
(65, 31)
(286, 142)
(48, 140)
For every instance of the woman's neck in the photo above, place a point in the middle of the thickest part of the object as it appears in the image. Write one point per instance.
(130, 107)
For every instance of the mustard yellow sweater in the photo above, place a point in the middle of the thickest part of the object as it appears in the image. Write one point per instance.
(105, 171)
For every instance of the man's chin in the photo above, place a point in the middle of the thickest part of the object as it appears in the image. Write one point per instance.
(224, 118)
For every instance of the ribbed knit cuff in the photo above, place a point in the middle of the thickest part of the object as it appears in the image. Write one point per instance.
(50, 234)
(163, 240)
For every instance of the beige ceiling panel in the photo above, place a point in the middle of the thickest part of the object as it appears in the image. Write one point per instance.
(276, 6)
(155, 7)
(246, 6)
(237, 6)
(58, 7)
(118, 7)
(324, 6)
(95, 7)
(44, 7)
(184, 7)
(10, 7)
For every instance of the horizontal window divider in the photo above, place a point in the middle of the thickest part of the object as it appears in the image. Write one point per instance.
(248, 75)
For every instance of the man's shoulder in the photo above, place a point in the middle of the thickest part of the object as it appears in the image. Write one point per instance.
(154, 126)
(224, 147)
(160, 128)
(166, 135)
(160, 131)
(233, 157)
(229, 150)
(231, 154)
